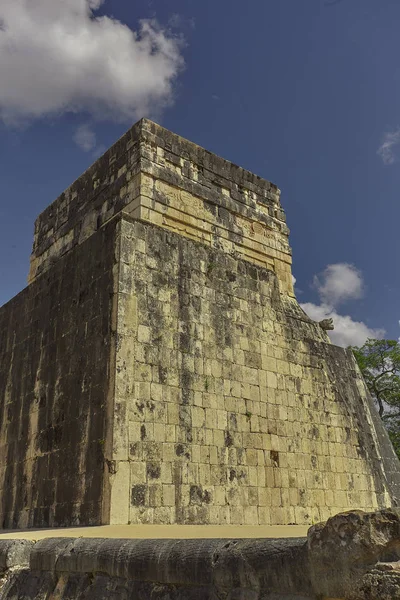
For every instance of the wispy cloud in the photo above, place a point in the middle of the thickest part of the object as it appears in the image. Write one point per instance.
(347, 332)
(178, 21)
(337, 284)
(85, 138)
(386, 149)
(58, 56)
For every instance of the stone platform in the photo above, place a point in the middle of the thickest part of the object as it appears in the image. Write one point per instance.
(151, 532)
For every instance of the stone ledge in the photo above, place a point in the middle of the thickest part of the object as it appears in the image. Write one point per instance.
(14, 553)
(353, 556)
(213, 566)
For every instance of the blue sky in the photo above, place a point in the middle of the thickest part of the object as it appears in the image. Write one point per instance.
(304, 93)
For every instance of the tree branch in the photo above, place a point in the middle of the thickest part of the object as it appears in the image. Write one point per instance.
(380, 403)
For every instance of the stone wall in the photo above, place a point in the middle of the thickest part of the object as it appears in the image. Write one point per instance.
(231, 405)
(150, 378)
(157, 176)
(55, 349)
(158, 368)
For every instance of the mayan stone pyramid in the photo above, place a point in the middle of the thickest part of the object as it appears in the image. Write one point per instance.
(158, 368)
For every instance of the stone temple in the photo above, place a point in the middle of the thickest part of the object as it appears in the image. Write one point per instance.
(158, 367)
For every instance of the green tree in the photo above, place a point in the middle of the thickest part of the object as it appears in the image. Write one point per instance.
(379, 362)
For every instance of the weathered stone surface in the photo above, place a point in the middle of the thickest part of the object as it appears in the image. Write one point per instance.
(14, 553)
(327, 324)
(157, 176)
(237, 408)
(163, 569)
(378, 585)
(354, 556)
(55, 352)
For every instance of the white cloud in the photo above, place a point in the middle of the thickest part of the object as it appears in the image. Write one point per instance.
(347, 332)
(85, 138)
(385, 151)
(297, 291)
(56, 56)
(338, 283)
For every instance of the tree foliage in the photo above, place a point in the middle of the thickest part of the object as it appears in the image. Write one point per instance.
(379, 362)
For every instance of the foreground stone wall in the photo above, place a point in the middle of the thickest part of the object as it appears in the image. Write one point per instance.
(353, 556)
(231, 405)
(54, 372)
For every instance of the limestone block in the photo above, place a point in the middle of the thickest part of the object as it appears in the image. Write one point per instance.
(363, 548)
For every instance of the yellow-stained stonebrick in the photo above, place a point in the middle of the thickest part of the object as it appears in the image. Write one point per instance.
(219, 438)
(272, 381)
(204, 474)
(222, 419)
(252, 457)
(250, 515)
(213, 455)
